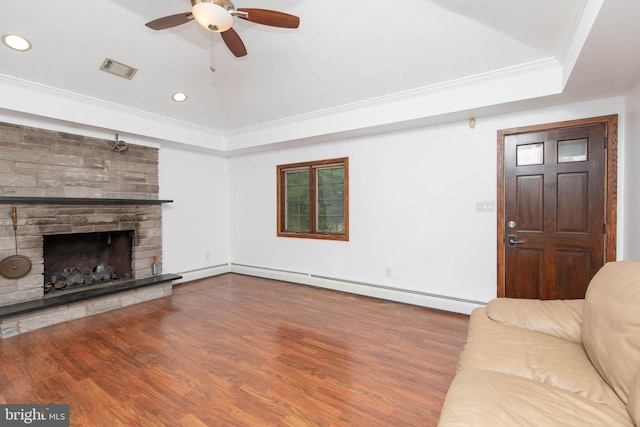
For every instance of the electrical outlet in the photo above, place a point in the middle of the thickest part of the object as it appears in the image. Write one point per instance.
(207, 255)
(387, 271)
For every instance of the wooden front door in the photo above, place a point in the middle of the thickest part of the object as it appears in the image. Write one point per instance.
(553, 216)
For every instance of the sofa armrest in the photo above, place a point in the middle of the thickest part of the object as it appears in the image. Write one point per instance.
(559, 318)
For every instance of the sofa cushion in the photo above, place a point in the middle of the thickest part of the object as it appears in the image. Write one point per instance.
(537, 356)
(611, 324)
(560, 318)
(480, 398)
(634, 400)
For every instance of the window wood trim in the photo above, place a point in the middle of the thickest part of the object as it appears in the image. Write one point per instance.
(313, 165)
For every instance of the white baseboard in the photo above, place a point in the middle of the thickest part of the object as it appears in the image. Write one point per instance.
(189, 276)
(439, 302)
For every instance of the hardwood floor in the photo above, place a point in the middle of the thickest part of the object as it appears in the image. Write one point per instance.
(241, 351)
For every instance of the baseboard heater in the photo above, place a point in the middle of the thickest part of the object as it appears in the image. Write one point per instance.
(424, 299)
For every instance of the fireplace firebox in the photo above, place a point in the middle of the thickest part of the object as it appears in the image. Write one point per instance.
(73, 261)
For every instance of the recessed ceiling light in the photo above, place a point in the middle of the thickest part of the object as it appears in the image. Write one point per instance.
(179, 97)
(16, 42)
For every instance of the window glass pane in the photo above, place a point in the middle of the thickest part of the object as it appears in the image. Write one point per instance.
(293, 208)
(297, 223)
(293, 223)
(572, 150)
(297, 178)
(298, 192)
(304, 223)
(530, 154)
(297, 200)
(331, 224)
(330, 200)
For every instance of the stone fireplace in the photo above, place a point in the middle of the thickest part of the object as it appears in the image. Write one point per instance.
(67, 188)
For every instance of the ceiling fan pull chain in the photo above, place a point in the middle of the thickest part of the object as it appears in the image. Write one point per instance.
(211, 67)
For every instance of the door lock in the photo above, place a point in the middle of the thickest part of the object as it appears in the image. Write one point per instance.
(512, 240)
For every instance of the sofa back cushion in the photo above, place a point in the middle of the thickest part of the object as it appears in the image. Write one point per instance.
(634, 400)
(611, 324)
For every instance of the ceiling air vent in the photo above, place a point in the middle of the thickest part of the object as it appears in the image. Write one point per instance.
(118, 68)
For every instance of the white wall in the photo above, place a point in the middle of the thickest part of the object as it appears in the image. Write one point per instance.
(632, 176)
(413, 200)
(196, 225)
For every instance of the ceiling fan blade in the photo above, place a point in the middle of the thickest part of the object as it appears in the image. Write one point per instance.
(170, 21)
(233, 42)
(271, 18)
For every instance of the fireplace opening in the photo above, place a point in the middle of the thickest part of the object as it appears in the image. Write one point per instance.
(77, 260)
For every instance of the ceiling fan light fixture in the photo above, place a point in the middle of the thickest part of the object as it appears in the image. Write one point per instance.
(212, 17)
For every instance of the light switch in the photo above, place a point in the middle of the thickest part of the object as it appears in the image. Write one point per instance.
(485, 206)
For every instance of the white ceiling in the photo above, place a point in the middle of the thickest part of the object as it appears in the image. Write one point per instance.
(390, 61)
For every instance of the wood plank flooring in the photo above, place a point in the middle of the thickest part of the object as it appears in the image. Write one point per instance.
(235, 350)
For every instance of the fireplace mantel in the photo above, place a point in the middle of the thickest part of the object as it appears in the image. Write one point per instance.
(81, 200)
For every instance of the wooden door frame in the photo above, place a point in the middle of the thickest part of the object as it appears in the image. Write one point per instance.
(611, 184)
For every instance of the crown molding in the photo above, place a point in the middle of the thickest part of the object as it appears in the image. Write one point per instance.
(525, 81)
(529, 80)
(47, 101)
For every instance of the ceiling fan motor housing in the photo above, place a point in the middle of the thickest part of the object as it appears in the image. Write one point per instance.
(226, 4)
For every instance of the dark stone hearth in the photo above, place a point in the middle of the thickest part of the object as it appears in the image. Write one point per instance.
(91, 292)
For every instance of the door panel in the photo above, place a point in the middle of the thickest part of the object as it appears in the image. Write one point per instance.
(572, 273)
(530, 202)
(554, 211)
(573, 202)
(527, 266)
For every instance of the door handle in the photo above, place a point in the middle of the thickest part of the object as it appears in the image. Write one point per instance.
(512, 240)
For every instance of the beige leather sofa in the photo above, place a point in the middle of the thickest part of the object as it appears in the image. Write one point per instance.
(553, 363)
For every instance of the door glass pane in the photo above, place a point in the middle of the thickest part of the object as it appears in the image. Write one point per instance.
(530, 154)
(572, 150)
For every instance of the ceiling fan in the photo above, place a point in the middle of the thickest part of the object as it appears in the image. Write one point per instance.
(217, 16)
